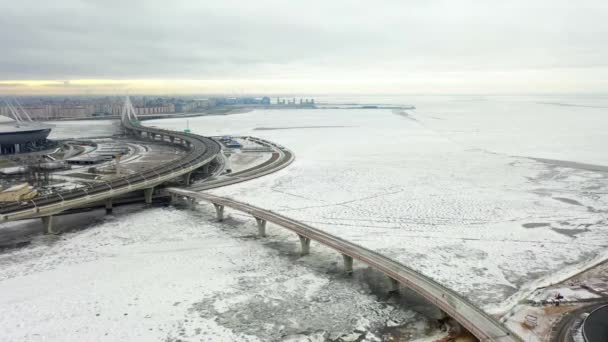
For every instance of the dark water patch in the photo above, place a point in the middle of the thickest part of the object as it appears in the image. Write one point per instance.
(535, 224)
(569, 232)
(380, 286)
(295, 127)
(518, 277)
(325, 312)
(5, 246)
(405, 115)
(571, 164)
(542, 192)
(407, 332)
(596, 211)
(567, 200)
(561, 104)
(288, 249)
(484, 294)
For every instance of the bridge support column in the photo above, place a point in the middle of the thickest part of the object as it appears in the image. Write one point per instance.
(348, 264)
(173, 199)
(148, 195)
(394, 286)
(171, 139)
(192, 202)
(305, 243)
(455, 327)
(109, 206)
(47, 223)
(261, 227)
(187, 177)
(219, 211)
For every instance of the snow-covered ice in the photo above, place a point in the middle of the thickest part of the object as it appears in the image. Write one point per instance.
(169, 274)
(83, 128)
(452, 188)
(490, 196)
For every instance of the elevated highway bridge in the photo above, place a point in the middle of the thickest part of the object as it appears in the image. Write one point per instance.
(201, 151)
(467, 314)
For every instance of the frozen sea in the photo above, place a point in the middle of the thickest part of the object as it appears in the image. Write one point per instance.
(76, 129)
(492, 196)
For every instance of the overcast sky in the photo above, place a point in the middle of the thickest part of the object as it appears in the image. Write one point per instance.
(320, 46)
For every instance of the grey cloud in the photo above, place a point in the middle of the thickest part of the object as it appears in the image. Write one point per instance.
(66, 39)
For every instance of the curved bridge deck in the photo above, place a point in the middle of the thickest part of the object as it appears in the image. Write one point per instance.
(482, 325)
(201, 150)
(284, 157)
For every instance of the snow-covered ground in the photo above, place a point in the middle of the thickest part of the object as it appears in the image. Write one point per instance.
(449, 188)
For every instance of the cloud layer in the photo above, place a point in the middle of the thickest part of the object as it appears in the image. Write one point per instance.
(451, 44)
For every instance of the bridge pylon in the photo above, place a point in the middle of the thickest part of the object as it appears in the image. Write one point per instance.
(128, 114)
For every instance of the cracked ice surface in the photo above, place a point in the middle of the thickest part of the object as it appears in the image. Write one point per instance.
(168, 274)
(446, 188)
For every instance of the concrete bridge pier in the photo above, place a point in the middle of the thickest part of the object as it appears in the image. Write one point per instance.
(109, 206)
(47, 223)
(173, 199)
(305, 243)
(171, 139)
(187, 177)
(261, 227)
(148, 195)
(394, 286)
(455, 327)
(219, 210)
(348, 264)
(192, 202)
